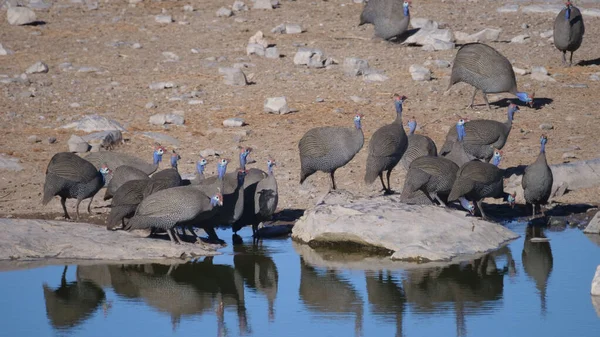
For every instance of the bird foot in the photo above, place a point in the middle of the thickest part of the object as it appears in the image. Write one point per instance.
(388, 192)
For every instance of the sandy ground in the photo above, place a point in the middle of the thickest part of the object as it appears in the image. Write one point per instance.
(102, 38)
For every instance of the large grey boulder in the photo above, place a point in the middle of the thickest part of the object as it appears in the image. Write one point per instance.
(92, 123)
(411, 232)
(24, 239)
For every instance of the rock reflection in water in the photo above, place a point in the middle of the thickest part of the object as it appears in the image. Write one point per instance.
(258, 271)
(73, 302)
(326, 292)
(537, 261)
(386, 297)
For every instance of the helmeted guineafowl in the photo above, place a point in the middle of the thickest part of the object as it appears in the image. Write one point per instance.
(487, 70)
(72, 177)
(125, 201)
(328, 148)
(434, 176)
(386, 148)
(121, 175)
(568, 31)
(167, 178)
(418, 146)
(457, 152)
(116, 159)
(390, 17)
(200, 167)
(477, 180)
(482, 136)
(537, 179)
(172, 207)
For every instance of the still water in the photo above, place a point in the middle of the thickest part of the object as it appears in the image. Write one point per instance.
(281, 288)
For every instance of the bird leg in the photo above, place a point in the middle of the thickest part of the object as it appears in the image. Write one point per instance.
(77, 209)
(571, 60)
(63, 202)
(333, 179)
(191, 230)
(486, 100)
(533, 207)
(479, 205)
(176, 235)
(472, 99)
(389, 189)
(564, 58)
(171, 236)
(382, 183)
(90, 205)
(437, 197)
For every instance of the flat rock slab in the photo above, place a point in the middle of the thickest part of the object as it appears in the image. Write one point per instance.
(25, 239)
(412, 232)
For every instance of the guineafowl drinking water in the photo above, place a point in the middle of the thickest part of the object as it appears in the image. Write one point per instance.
(70, 176)
(568, 31)
(482, 136)
(386, 148)
(477, 180)
(487, 70)
(390, 17)
(418, 145)
(537, 179)
(328, 148)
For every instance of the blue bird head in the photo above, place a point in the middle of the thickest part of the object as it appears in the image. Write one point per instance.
(398, 101)
(174, 159)
(201, 165)
(244, 153)
(270, 164)
(460, 129)
(222, 167)
(158, 153)
(525, 98)
(543, 141)
(568, 6)
(512, 108)
(467, 205)
(405, 6)
(357, 121)
(104, 171)
(412, 125)
(497, 157)
(216, 200)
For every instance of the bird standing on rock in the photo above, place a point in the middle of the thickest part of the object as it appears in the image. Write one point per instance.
(328, 148)
(70, 176)
(386, 148)
(537, 179)
(432, 175)
(487, 70)
(568, 31)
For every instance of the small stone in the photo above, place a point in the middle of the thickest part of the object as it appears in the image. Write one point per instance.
(360, 100)
(423, 23)
(75, 105)
(195, 51)
(233, 76)
(93, 123)
(486, 35)
(258, 38)
(546, 126)
(88, 70)
(520, 71)
(262, 4)
(150, 105)
(595, 77)
(4, 52)
(240, 20)
(255, 49)
(224, 12)
(541, 74)
(272, 53)
(520, 38)
(37, 68)
(553, 9)
(195, 102)
(277, 105)
(317, 60)
(136, 46)
(375, 77)
(170, 56)
(577, 86)
(293, 29)
(40, 5)
(596, 284)
(442, 64)
(162, 119)
(354, 66)
(319, 100)
(209, 153)
(302, 56)
(508, 9)
(103, 139)
(419, 73)
(569, 155)
(233, 122)
(524, 26)
(163, 18)
(51, 140)
(9, 163)
(280, 29)
(547, 34)
(33, 139)
(239, 6)
(78, 144)
(161, 85)
(188, 8)
(18, 16)
(65, 66)
(591, 12)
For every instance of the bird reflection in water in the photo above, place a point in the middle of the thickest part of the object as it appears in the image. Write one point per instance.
(537, 260)
(72, 302)
(386, 297)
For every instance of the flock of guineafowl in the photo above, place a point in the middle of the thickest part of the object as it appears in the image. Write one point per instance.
(460, 171)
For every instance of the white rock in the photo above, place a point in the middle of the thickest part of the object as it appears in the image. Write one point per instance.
(258, 38)
(354, 66)
(419, 73)
(375, 77)
(163, 18)
(507, 9)
(593, 12)
(279, 29)
(262, 4)
(520, 38)
(272, 53)
(595, 77)
(541, 77)
(594, 226)
(436, 44)
(486, 35)
(553, 9)
(136, 46)
(255, 49)
(161, 85)
(161, 138)
(88, 70)
(195, 102)
(170, 56)
(313, 58)
(317, 60)
(428, 36)
(293, 29)
(539, 70)
(161, 119)
(92, 123)
(4, 51)
(277, 105)
(442, 64)
(188, 8)
(9, 163)
(103, 139)
(37, 68)
(547, 34)
(429, 233)
(520, 71)
(233, 122)
(423, 23)
(360, 100)
(239, 6)
(20, 16)
(224, 12)
(233, 76)
(78, 144)
(596, 283)
(40, 5)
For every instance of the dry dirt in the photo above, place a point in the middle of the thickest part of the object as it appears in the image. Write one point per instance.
(72, 33)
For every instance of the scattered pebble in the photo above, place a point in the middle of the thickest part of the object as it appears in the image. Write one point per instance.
(224, 12)
(272, 53)
(37, 68)
(375, 77)
(195, 102)
(360, 100)
(18, 16)
(75, 105)
(33, 139)
(209, 153)
(546, 126)
(150, 105)
(541, 74)
(136, 46)
(292, 28)
(520, 71)
(508, 9)
(569, 155)
(319, 100)
(51, 140)
(313, 58)
(547, 34)
(170, 56)
(233, 76)
(520, 38)
(239, 6)
(233, 122)
(188, 8)
(486, 35)
(9, 163)
(277, 105)
(78, 144)
(354, 66)
(577, 85)
(88, 70)
(595, 77)
(163, 18)
(162, 119)
(91, 123)
(263, 4)
(419, 73)
(240, 20)
(161, 85)
(4, 51)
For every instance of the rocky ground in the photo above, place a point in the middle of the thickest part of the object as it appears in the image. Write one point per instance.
(102, 58)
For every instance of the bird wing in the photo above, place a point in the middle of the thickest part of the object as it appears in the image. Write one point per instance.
(386, 141)
(483, 132)
(312, 144)
(71, 167)
(481, 172)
